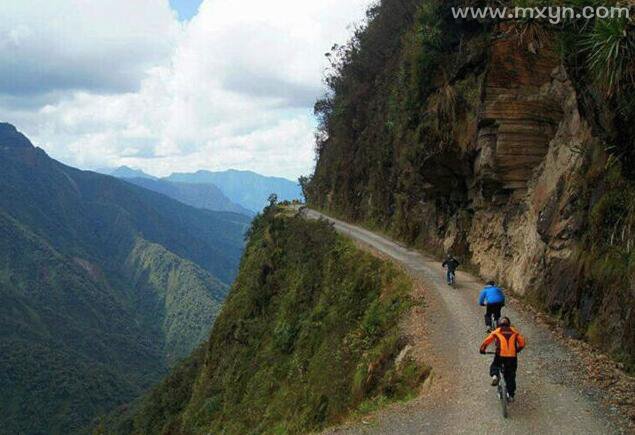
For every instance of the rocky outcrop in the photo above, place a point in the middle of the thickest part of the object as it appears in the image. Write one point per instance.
(515, 241)
(519, 116)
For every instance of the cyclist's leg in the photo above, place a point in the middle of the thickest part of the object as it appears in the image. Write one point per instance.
(509, 371)
(447, 276)
(496, 309)
(495, 367)
(488, 312)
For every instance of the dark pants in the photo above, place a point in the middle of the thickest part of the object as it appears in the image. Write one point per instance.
(508, 365)
(449, 272)
(492, 308)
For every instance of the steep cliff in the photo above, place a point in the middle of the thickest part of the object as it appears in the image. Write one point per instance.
(501, 142)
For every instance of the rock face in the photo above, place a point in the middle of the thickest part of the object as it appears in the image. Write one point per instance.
(519, 116)
(531, 159)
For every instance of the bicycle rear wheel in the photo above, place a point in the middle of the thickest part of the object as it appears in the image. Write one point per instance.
(492, 323)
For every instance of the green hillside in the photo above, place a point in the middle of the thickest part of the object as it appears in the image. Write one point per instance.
(66, 340)
(184, 295)
(308, 334)
(103, 286)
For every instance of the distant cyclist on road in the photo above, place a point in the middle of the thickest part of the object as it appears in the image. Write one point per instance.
(509, 343)
(493, 299)
(450, 264)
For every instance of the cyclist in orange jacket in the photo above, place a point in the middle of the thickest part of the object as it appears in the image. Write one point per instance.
(509, 343)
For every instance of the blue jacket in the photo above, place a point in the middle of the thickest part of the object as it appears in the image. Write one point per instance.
(491, 294)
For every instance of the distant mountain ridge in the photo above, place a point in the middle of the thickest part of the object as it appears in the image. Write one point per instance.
(206, 195)
(247, 188)
(244, 192)
(127, 172)
(103, 286)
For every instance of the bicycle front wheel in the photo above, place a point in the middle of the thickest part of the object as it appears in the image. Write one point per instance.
(502, 393)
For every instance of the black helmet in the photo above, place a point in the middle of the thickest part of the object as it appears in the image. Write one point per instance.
(490, 282)
(504, 321)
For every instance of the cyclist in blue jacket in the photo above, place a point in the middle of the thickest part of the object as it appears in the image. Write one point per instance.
(493, 299)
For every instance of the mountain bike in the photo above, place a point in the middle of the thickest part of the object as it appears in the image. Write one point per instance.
(501, 389)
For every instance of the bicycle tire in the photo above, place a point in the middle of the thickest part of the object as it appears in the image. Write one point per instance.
(502, 393)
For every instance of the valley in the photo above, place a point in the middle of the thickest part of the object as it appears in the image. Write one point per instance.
(103, 287)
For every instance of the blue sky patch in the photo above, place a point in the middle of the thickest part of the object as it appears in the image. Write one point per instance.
(185, 8)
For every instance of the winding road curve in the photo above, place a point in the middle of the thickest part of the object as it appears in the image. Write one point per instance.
(458, 400)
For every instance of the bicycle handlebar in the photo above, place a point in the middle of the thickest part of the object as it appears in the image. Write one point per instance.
(489, 353)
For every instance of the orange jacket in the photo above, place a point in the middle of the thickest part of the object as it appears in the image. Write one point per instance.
(508, 342)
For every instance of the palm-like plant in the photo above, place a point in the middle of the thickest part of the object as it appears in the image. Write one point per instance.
(610, 48)
(530, 34)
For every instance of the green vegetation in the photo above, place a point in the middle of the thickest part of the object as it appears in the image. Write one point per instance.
(68, 351)
(103, 287)
(402, 94)
(184, 295)
(611, 50)
(600, 58)
(308, 334)
(607, 257)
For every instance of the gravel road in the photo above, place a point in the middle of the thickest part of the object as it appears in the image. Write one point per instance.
(458, 400)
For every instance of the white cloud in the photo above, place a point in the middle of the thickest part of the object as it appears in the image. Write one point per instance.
(235, 91)
(94, 45)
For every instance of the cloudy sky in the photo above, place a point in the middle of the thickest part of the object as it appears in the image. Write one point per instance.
(170, 86)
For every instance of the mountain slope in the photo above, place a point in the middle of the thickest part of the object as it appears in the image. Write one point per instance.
(182, 293)
(103, 285)
(246, 188)
(66, 340)
(84, 210)
(309, 332)
(200, 195)
(501, 142)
